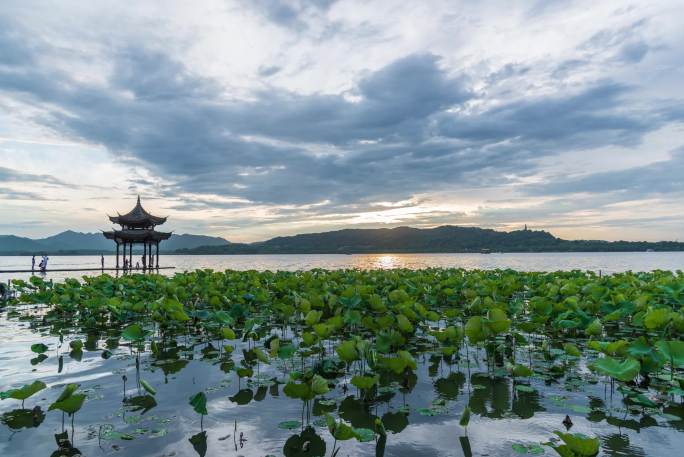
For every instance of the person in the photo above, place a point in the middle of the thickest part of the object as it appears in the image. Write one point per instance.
(137, 265)
(33, 264)
(45, 262)
(102, 260)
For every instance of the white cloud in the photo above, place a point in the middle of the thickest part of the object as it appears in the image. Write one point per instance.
(250, 119)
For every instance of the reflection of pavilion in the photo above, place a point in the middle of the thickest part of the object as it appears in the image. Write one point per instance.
(137, 227)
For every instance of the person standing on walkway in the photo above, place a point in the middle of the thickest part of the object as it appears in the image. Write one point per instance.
(33, 264)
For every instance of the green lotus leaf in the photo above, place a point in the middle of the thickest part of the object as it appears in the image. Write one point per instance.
(227, 333)
(465, 417)
(580, 445)
(365, 382)
(594, 328)
(498, 321)
(69, 405)
(572, 350)
(363, 435)
(300, 391)
(133, 332)
(261, 355)
(24, 391)
(339, 430)
(76, 345)
(67, 392)
(199, 403)
(319, 385)
(289, 425)
(404, 324)
(39, 348)
(673, 350)
(475, 330)
(347, 351)
(312, 317)
(624, 370)
(146, 385)
(521, 371)
(656, 318)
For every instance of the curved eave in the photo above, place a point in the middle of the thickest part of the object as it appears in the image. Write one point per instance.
(136, 236)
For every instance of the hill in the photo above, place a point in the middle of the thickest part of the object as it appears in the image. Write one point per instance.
(70, 242)
(440, 239)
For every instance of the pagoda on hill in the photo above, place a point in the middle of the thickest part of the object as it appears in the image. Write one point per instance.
(137, 227)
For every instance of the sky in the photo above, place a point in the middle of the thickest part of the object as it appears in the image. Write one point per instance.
(251, 119)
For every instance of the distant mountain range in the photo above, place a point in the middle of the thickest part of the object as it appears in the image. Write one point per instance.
(71, 242)
(440, 239)
(396, 240)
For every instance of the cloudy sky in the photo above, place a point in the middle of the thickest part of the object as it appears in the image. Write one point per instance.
(255, 118)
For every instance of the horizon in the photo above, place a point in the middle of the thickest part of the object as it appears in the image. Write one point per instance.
(531, 229)
(250, 120)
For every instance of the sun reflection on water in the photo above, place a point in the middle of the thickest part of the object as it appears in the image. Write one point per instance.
(385, 261)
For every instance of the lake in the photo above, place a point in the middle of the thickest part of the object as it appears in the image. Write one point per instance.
(606, 262)
(420, 411)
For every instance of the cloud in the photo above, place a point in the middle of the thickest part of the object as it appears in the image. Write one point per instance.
(8, 174)
(590, 118)
(297, 136)
(663, 177)
(291, 14)
(12, 194)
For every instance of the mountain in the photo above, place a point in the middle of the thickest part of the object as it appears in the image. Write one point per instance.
(70, 242)
(440, 239)
(187, 241)
(75, 241)
(401, 239)
(12, 243)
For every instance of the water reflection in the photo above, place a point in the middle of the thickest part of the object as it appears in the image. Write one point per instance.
(192, 364)
(618, 445)
(448, 388)
(494, 397)
(199, 443)
(23, 418)
(305, 444)
(64, 446)
(595, 261)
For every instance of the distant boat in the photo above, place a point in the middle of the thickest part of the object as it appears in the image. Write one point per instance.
(486, 251)
(650, 250)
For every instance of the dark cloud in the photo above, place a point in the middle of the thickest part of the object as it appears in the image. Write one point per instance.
(406, 128)
(269, 70)
(634, 52)
(288, 13)
(593, 117)
(9, 174)
(664, 177)
(12, 194)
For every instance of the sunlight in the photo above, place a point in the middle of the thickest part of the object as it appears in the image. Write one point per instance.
(386, 262)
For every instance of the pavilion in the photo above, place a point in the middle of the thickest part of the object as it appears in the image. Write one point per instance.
(137, 227)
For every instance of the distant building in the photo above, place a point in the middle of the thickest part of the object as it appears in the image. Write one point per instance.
(137, 227)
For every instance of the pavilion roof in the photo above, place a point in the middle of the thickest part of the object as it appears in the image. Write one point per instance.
(137, 217)
(136, 235)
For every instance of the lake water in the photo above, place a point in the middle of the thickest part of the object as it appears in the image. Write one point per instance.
(607, 262)
(244, 417)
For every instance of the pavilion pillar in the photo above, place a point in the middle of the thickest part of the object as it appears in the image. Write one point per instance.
(150, 261)
(144, 259)
(130, 256)
(117, 255)
(157, 254)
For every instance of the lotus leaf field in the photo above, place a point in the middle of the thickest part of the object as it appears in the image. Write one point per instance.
(347, 362)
